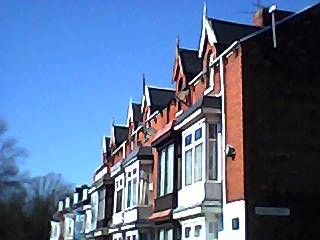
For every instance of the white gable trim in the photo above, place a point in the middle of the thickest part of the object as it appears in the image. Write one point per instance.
(207, 30)
(130, 112)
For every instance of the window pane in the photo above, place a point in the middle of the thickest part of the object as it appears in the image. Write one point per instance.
(187, 140)
(134, 192)
(161, 234)
(198, 134)
(212, 160)
(129, 194)
(198, 163)
(187, 232)
(188, 167)
(162, 172)
(101, 207)
(169, 234)
(119, 201)
(169, 172)
(197, 231)
(212, 131)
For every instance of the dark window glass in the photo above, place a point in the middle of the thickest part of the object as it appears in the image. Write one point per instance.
(212, 131)
(197, 231)
(188, 140)
(235, 224)
(187, 232)
(129, 194)
(198, 134)
(119, 201)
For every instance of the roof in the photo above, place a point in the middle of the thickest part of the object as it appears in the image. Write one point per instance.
(204, 102)
(228, 32)
(160, 98)
(137, 115)
(191, 63)
(120, 134)
(307, 10)
(139, 153)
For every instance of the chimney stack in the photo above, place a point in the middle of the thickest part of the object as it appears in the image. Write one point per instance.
(262, 17)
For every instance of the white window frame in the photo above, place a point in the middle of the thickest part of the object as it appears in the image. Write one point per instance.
(219, 150)
(165, 233)
(129, 171)
(119, 185)
(102, 204)
(191, 131)
(165, 151)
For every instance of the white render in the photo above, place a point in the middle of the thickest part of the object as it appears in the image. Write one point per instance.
(117, 217)
(231, 211)
(68, 226)
(55, 230)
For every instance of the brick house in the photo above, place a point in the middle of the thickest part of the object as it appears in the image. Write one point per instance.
(231, 151)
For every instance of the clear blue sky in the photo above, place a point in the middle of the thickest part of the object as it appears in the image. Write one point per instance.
(68, 67)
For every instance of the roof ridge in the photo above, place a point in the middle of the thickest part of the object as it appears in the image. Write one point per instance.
(233, 23)
(188, 49)
(160, 88)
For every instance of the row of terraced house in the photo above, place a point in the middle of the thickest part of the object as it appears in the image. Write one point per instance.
(231, 152)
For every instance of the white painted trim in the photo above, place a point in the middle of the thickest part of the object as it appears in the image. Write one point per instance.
(92, 189)
(208, 90)
(129, 113)
(101, 173)
(188, 119)
(196, 78)
(207, 30)
(126, 227)
(116, 168)
(161, 88)
(136, 131)
(112, 230)
(187, 213)
(118, 148)
(153, 115)
(97, 234)
(177, 114)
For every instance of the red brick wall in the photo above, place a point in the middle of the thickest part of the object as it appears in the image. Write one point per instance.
(234, 127)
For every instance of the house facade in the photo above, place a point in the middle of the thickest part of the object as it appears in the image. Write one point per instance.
(220, 155)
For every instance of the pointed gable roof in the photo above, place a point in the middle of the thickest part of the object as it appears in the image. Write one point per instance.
(227, 32)
(137, 115)
(191, 63)
(222, 32)
(120, 134)
(159, 97)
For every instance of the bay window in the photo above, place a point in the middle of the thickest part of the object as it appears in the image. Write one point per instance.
(132, 178)
(166, 170)
(165, 234)
(101, 206)
(212, 152)
(193, 153)
(118, 193)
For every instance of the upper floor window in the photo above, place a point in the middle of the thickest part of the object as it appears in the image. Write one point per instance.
(118, 193)
(165, 234)
(166, 170)
(101, 207)
(193, 146)
(132, 188)
(197, 231)
(212, 152)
